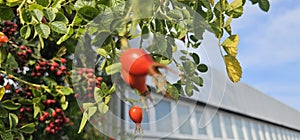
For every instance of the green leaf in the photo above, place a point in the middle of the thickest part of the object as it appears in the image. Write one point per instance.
(113, 68)
(27, 128)
(9, 14)
(59, 27)
(234, 70)
(49, 14)
(43, 30)
(86, 106)
(7, 135)
(13, 120)
(189, 67)
(195, 57)
(61, 17)
(189, 89)
(44, 3)
(66, 36)
(264, 5)
(38, 14)
(230, 45)
(25, 16)
(81, 3)
(91, 111)
(83, 121)
(36, 110)
(25, 31)
(10, 105)
(49, 82)
(65, 105)
(3, 113)
(102, 52)
(2, 126)
(65, 90)
(3, 55)
(97, 96)
(198, 81)
(175, 14)
(173, 91)
(88, 12)
(102, 107)
(2, 92)
(202, 68)
(19, 136)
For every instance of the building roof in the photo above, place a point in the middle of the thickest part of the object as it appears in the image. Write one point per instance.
(219, 91)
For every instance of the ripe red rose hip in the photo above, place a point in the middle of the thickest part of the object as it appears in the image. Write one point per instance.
(136, 61)
(3, 38)
(136, 115)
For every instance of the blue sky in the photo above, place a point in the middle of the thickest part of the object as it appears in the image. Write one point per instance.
(269, 49)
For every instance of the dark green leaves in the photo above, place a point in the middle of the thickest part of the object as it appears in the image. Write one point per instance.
(25, 31)
(263, 4)
(9, 14)
(10, 105)
(59, 27)
(27, 128)
(88, 12)
(43, 30)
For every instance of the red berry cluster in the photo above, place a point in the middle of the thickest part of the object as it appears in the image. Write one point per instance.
(23, 113)
(58, 68)
(55, 121)
(24, 54)
(9, 28)
(91, 78)
(26, 92)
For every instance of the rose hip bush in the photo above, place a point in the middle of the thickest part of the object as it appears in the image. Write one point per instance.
(38, 39)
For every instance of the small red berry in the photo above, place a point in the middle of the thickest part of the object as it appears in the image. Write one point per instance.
(37, 67)
(99, 79)
(53, 114)
(29, 51)
(57, 110)
(22, 47)
(59, 73)
(46, 114)
(63, 68)
(42, 118)
(52, 68)
(63, 60)
(48, 129)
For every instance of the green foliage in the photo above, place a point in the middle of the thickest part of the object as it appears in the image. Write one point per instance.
(50, 30)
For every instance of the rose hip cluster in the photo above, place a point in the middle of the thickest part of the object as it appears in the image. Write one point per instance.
(55, 121)
(56, 67)
(91, 78)
(27, 93)
(24, 54)
(9, 28)
(24, 111)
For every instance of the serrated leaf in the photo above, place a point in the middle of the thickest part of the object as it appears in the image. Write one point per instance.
(49, 14)
(59, 27)
(25, 16)
(2, 92)
(83, 121)
(10, 105)
(42, 30)
(61, 17)
(102, 107)
(38, 14)
(264, 5)
(230, 45)
(27, 128)
(113, 68)
(25, 31)
(13, 120)
(234, 70)
(9, 14)
(88, 12)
